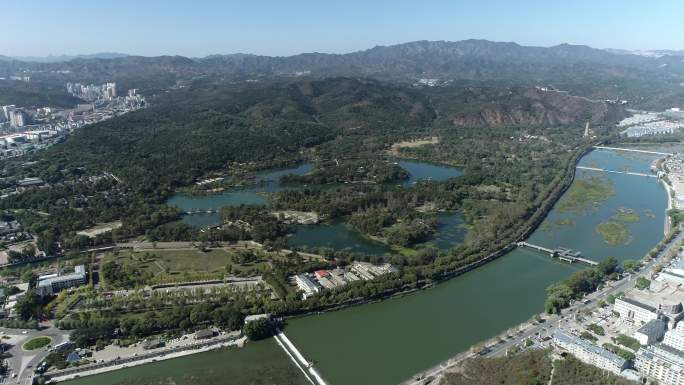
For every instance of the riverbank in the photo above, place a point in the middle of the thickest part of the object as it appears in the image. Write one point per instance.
(153, 356)
(258, 362)
(536, 220)
(519, 334)
(456, 314)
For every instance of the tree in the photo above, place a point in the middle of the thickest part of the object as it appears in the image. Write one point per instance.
(630, 265)
(258, 329)
(29, 306)
(47, 241)
(642, 283)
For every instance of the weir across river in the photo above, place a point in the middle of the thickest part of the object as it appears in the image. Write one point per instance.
(632, 150)
(562, 253)
(616, 172)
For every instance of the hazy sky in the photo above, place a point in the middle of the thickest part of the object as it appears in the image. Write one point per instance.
(202, 27)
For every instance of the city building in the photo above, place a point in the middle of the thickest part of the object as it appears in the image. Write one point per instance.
(204, 334)
(662, 363)
(635, 311)
(306, 285)
(17, 118)
(651, 332)
(589, 353)
(9, 227)
(672, 275)
(6, 111)
(675, 337)
(53, 283)
(321, 273)
(26, 182)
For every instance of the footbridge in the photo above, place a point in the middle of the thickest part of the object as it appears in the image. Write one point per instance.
(201, 211)
(632, 150)
(562, 253)
(616, 172)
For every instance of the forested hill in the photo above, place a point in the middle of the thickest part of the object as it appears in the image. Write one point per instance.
(35, 95)
(580, 69)
(191, 131)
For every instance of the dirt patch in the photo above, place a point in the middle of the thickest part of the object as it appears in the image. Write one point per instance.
(396, 147)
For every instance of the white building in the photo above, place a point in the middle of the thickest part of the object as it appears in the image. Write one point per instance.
(651, 332)
(589, 353)
(635, 311)
(306, 285)
(675, 338)
(662, 363)
(53, 283)
(256, 317)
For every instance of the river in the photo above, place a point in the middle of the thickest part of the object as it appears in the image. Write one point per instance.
(258, 363)
(387, 342)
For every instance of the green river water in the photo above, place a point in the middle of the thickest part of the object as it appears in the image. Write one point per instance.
(387, 342)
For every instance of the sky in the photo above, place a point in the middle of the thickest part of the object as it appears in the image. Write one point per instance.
(284, 27)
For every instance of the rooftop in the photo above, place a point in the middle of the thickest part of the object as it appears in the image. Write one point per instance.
(638, 304)
(652, 327)
(586, 345)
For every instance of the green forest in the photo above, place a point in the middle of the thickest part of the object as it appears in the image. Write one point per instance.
(517, 155)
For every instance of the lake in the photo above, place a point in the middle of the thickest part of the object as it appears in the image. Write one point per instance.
(334, 235)
(387, 342)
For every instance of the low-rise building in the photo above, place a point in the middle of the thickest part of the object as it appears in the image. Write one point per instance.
(326, 283)
(256, 317)
(662, 363)
(589, 353)
(306, 285)
(635, 311)
(651, 332)
(204, 334)
(53, 283)
(153, 343)
(321, 273)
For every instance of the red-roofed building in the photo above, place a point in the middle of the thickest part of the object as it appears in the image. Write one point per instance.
(322, 273)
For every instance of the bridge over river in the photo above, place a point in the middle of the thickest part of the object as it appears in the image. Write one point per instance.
(633, 150)
(200, 211)
(562, 253)
(616, 172)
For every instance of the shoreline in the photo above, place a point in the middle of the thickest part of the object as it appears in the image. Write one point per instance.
(99, 368)
(555, 195)
(436, 372)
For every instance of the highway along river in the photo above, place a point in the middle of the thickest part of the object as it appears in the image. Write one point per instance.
(388, 342)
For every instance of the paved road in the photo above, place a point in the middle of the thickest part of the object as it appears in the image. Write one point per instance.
(531, 331)
(620, 286)
(22, 362)
(138, 246)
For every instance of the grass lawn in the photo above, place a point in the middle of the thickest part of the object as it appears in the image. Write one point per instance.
(164, 266)
(36, 343)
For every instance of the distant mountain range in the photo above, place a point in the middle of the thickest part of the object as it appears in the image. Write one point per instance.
(467, 59)
(63, 58)
(580, 69)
